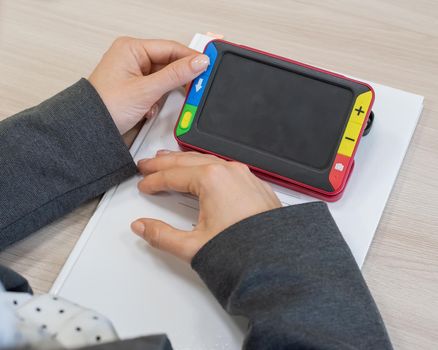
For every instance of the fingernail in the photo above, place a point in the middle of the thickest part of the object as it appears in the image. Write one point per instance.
(200, 63)
(162, 152)
(138, 228)
(141, 161)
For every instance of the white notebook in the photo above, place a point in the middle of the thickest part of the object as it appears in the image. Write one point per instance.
(144, 291)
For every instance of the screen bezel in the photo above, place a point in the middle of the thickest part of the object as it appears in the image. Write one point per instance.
(259, 160)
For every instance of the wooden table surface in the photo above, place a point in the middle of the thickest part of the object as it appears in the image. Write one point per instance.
(47, 45)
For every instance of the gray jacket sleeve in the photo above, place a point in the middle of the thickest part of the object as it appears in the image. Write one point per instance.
(55, 156)
(290, 272)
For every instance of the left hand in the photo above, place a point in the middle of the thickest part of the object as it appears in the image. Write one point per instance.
(134, 74)
(228, 192)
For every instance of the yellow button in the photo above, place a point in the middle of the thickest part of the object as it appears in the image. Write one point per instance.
(355, 122)
(185, 121)
(361, 107)
(349, 139)
(352, 131)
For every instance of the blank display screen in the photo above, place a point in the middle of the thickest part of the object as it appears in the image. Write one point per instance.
(274, 110)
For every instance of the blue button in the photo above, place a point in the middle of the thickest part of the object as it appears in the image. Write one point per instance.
(200, 82)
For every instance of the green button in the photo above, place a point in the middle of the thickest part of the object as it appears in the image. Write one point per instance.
(186, 119)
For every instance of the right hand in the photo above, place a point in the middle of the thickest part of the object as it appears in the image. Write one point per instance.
(134, 75)
(228, 192)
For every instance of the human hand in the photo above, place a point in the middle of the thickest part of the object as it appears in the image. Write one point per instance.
(228, 192)
(134, 74)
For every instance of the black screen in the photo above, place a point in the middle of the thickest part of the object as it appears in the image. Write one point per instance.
(275, 110)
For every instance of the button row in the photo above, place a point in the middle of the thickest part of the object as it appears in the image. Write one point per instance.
(196, 91)
(355, 123)
(349, 139)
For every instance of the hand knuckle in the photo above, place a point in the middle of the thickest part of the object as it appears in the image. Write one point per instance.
(192, 153)
(177, 161)
(174, 74)
(122, 40)
(140, 185)
(238, 166)
(154, 237)
(213, 172)
(213, 156)
(143, 185)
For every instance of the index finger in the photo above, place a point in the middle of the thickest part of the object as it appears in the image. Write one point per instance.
(176, 160)
(184, 179)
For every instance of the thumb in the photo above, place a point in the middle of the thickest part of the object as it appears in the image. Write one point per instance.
(163, 237)
(175, 74)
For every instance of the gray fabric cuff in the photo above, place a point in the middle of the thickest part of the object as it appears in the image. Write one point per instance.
(60, 153)
(289, 236)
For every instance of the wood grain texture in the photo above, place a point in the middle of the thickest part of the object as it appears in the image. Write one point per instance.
(46, 45)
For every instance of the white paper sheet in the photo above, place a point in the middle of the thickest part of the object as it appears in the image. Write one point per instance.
(144, 291)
